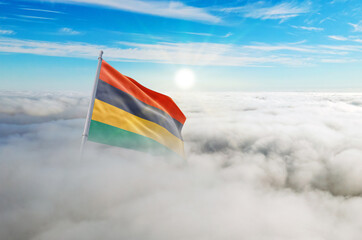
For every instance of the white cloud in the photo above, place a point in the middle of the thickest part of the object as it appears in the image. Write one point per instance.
(172, 9)
(280, 47)
(261, 165)
(327, 19)
(338, 1)
(342, 38)
(28, 107)
(35, 17)
(337, 60)
(200, 34)
(308, 28)
(343, 49)
(68, 31)
(262, 10)
(311, 49)
(209, 34)
(172, 53)
(357, 27)
(197, 53)
(41, 10)
(338, 38)
(6, 32)
(359, 40)
(227, 35)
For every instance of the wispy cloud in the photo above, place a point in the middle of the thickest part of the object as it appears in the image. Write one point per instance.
(287, 47)
(35, 17)
(298, 51)
(41, 10)
(337, 1)
(337, 60)
(197, 53)
(6, 32)
(262, 10)
(308, 28)
(359, 40)
(200, 34)
(350, 38)
(227, 35)
(357, 27)
(327, 19)
(171, 53)
(338, 38)
(343, 48)
(143, 36)
(167, 9)
(209, 34)
(68, 31)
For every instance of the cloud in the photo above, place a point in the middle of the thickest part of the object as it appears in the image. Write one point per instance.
(35, 17)
(209, 34)
(338, 38)
(21, 108)
(68, 31)
(342, 38)
(196, 53)
(261, 165)
(338, 1)
(171, 53)
(289, 47)
(357, 27)
(308, 28)
(41, 10)
(327, 19)
(6, 32)
(338, 60)
(316, 51)
(199, 34)
(227, 35)
(173, 9)
(343, 49)
(262, 10)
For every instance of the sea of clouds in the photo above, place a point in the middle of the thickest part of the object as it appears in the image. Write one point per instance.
(260, 166)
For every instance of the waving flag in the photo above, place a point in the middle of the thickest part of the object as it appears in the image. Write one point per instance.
(127, 114)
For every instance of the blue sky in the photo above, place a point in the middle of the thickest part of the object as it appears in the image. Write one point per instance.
(229, 45)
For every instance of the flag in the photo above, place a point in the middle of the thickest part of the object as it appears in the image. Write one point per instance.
(127, 114)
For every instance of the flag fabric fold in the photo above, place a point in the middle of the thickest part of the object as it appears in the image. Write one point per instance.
(127, 114)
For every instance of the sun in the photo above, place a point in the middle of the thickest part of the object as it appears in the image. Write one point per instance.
(184, 78)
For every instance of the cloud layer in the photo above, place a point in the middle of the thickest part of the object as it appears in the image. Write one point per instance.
(173, 9)
(197, 53)
(260, 166)
(264, 10)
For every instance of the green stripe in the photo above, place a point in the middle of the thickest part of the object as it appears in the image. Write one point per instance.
(107, 134)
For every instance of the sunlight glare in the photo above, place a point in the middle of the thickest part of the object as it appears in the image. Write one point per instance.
(185, 78)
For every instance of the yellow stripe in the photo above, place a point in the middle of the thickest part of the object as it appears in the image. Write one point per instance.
(111, 115)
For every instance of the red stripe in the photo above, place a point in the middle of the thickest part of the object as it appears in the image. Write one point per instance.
(165, 103)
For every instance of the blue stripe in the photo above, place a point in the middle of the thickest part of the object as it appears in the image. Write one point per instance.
(116, 97)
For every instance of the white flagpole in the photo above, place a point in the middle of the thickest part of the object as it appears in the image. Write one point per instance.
(91, 104)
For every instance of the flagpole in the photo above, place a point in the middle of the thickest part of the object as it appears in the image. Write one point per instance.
(91, 104)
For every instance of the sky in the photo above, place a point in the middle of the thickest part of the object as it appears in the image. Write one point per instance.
(227, 45)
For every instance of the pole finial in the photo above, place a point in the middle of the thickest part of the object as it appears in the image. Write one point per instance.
(100, 54)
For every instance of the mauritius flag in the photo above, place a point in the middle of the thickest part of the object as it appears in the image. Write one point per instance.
(127, 114)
